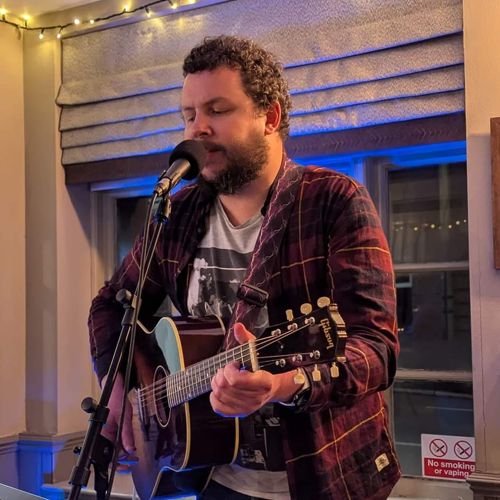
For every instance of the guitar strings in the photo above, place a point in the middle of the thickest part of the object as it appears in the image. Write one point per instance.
(264, 361)
(168, 384)
(167, 388)
(201, 366)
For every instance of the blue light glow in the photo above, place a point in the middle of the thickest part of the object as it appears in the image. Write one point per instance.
(348, 163)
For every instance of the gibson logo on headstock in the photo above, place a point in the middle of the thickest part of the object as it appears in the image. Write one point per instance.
(326, 327)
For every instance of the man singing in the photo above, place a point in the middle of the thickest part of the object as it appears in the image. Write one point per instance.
(309, 233)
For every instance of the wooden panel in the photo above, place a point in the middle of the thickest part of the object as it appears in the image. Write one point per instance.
(495, 182)
(378, 137)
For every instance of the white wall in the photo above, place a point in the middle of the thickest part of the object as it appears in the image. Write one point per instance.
(58, 269)
(482, 91)
(12, 241)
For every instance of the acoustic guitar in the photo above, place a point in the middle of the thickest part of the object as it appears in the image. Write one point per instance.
(175, 364)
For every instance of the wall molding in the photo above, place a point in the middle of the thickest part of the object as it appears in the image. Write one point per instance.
(8, 444)
(8, 461)
(485, 486)
(45, 459)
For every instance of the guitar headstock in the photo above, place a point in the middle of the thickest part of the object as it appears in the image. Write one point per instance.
(316, 336)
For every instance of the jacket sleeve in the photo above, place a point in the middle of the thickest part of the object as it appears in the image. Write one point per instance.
(361, 276)
(106, 313)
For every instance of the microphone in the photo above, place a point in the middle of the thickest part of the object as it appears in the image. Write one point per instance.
(185, 162)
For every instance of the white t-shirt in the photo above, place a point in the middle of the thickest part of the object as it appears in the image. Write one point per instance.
(219, 266)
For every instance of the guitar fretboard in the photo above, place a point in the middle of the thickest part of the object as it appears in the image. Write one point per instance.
(185, 385)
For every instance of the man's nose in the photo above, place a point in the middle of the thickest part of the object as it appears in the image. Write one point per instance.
(201, 127)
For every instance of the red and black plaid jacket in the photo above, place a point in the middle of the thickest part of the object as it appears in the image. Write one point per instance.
(338, 446)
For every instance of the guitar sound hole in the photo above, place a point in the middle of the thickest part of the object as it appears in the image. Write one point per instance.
(160, 396)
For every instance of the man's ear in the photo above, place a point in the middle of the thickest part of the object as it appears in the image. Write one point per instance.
(273, 118)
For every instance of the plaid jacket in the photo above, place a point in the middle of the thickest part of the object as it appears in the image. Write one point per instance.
(338, 445)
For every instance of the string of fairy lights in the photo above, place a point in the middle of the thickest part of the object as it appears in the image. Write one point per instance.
(409, 226)
(148, 9)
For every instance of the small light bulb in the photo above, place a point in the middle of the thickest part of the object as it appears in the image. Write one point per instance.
(41, 36)
(175, 5)
(91, 21)
(58, 35)
(191, 2)
(3, 11)
(76, 21)
(26, 17)
(126, 8)
(148, 12)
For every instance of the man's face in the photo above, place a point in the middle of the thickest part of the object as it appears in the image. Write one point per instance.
(217, 111)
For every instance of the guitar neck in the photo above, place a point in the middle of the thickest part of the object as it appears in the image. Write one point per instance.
(195, 380)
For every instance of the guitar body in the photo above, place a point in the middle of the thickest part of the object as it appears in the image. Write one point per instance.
(189, 435)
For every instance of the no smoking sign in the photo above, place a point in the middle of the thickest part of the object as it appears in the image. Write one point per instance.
(447, 457)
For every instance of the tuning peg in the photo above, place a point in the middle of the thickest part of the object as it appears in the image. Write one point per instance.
(299, 378)
(306, 308)
(316, 374)
(334, 370)
(289, 315)
(323, 302)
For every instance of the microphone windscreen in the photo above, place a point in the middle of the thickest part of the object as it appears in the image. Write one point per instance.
(192, 151)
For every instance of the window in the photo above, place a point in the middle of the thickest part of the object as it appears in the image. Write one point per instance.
(131, 214)
(424, 211)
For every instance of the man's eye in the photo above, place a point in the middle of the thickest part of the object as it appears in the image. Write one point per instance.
(189, 119)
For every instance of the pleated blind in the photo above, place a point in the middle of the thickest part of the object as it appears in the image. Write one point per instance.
(349, 64)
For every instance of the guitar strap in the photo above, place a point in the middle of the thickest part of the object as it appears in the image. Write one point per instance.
(252, 293)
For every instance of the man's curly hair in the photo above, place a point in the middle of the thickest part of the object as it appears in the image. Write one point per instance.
(261, 73)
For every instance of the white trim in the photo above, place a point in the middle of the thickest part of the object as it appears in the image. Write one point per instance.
(486, 484)
(434, 375)
(431, 489)
(460, 265)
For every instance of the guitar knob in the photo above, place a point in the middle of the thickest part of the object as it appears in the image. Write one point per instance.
(299, 378)
(334, 370)
(323, 302)
(306, 308)
(289, 315)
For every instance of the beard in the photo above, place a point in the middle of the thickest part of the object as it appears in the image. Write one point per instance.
(244, 163)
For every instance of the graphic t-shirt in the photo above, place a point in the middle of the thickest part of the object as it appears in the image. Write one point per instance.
(219, 266)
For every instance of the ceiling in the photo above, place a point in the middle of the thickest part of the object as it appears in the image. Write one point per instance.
(38, 7)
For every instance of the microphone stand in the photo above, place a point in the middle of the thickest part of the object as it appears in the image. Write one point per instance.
(96, 449)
